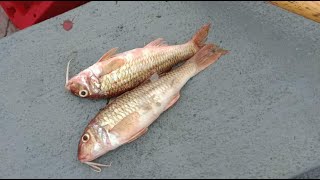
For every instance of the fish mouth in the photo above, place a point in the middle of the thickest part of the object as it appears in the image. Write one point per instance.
(67, 86)
(83, 158)
(72, 87)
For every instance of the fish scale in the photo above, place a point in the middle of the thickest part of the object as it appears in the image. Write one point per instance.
(161, 61)
(115, 73)
(139, 96)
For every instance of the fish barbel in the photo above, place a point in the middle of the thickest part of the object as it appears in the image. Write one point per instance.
(115, 74)
(129, 115)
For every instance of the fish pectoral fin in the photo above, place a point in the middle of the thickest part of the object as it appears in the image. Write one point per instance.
(173, 101)
(108, 54)
(127, 127)
(157, 43)
(112, 65)
(139, 134)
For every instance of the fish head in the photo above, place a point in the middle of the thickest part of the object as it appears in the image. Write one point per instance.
(84, 85)
(94, 143)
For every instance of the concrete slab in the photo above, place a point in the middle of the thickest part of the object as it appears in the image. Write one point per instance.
(254, 114)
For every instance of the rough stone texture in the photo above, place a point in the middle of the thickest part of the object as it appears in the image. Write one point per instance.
(254, 114)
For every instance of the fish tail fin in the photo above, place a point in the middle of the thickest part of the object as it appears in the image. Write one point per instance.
(206, 56)
(201, 35)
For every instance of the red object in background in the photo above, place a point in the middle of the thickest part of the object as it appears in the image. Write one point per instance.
(27, 13)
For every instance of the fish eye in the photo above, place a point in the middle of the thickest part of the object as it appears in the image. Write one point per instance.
(85, 137)
(83, 93)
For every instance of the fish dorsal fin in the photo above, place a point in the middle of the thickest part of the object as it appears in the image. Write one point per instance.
(108, 54)
(154, 77)
(112, 65)
(157, 43)
(111, 100)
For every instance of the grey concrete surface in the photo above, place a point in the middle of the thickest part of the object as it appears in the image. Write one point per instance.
(254, 114)
(310, 174)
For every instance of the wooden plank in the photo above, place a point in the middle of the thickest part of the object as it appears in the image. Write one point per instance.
(307, 9)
